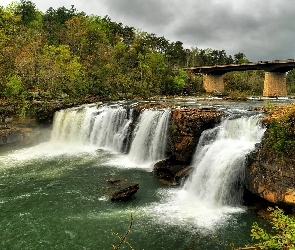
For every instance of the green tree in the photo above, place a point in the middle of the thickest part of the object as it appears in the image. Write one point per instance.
(240, 58)
(28, 15)
(60, 73)
(176, 54)
(290, 78)
(14, 88)
(248, 82)
(54, 21)
(16, 94)
(11, 41)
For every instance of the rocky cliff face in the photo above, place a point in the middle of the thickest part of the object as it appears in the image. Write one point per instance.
(270, 177)
(22, 132)
(270, 172)
(187, 125)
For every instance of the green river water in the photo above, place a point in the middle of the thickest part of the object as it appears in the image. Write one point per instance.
(60, 203)
(55, 196)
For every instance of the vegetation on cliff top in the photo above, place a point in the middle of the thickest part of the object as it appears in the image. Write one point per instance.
(280, 135)
(63, 53)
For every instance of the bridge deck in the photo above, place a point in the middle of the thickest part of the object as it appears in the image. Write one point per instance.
(279, 66)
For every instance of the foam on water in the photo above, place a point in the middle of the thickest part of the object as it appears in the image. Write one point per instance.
(214, 190)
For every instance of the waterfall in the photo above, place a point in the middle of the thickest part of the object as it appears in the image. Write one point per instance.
(219, 161)
(105, 127)
(150, 139)
(109, 127)
(213, 192)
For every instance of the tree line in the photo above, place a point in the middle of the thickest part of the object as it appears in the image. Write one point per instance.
(64, 53)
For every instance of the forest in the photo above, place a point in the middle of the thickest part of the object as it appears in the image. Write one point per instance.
(64, 54)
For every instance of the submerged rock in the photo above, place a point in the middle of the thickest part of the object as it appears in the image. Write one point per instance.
(124, 194)
(116, 181)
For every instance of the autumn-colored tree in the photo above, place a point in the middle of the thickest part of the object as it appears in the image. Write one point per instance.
(64, 53)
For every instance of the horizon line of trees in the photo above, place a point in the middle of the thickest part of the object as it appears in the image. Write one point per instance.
(63, 53)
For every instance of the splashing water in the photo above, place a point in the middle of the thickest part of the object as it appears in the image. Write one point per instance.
(214, 189)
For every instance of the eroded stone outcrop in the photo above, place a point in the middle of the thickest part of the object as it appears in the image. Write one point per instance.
(271, 177)
(22, 131)
(187, 125)
(171, 173)
(125, 193)
(270, 174)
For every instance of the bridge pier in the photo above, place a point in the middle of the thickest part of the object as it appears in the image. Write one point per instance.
(213, 83)
(274, 84)
(274, 81)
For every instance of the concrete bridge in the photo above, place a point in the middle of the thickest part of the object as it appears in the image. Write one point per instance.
(274, 81)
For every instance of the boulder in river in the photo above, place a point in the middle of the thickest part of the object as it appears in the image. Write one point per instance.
(124, 194)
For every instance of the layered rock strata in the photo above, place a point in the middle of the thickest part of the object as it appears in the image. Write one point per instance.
(270, 173)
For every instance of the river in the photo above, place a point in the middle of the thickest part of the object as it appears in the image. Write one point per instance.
(55, 195)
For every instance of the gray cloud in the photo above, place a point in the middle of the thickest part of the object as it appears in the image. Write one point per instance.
(151, 13)
(263, 30)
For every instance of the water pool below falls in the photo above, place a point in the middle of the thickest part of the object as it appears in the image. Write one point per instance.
(54, 195)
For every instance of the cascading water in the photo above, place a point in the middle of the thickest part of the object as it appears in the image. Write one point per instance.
(150, 140)
(52, 194)
(219, 161)
(214, 189)
(105, 127)
(108, 127)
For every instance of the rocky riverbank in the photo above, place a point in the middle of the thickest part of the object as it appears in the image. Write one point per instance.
(21, 131)
(35, 126)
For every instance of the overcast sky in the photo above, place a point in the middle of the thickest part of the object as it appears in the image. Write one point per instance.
(261, 29)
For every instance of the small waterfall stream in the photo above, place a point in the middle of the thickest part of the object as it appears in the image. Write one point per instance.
(150, 140)
(105, 127)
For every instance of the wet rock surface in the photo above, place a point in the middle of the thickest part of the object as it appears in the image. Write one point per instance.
(187, 125)
(270, 177)
(269, 173)
(171, 173)
(125, 193)
(22, 132)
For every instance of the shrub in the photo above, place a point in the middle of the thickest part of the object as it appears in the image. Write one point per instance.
(284, 232)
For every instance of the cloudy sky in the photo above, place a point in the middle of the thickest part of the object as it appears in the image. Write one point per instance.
(261, 29)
